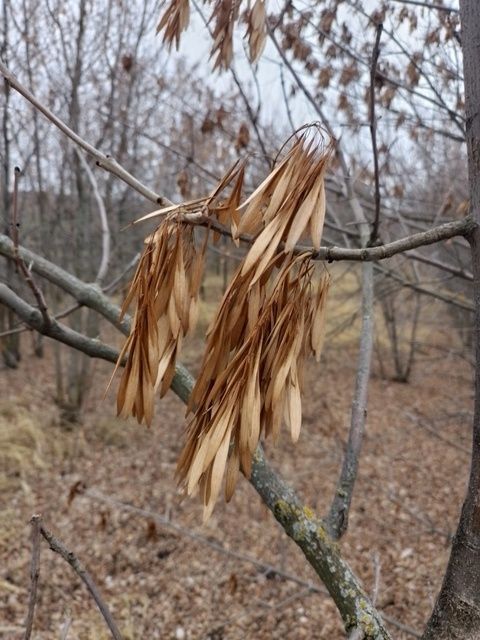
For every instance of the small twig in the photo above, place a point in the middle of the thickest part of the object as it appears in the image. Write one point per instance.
(103, 160)
(281, 604)
(42, 305)
(58, 316)
(102, 214)
(337, 519)
(434, 432)
(65, 628)
(111, 286)
(285, 99)
(428, 5)
(424, 238)
(423, 519)
(376, 582)
(57, 546)
(373, 132)
(455, 271)
(198, 537)
(34, 573)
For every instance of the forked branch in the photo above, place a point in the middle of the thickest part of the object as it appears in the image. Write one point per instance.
(34, 573)
(58, 546)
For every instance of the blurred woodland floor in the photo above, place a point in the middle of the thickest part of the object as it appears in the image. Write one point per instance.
(160, 583)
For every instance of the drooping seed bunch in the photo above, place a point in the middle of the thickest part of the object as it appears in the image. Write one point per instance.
(165, 289)
(165, 292)
(270, 318)
(251, 373)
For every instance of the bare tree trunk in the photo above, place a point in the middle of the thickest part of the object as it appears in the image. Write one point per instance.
(10, 347)
(457, 611)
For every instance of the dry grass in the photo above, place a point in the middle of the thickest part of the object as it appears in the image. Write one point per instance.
(24, 442)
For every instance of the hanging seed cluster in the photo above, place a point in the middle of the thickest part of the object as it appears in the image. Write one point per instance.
(251, 373)
(165, 292)
(165, 288)
(270, 318)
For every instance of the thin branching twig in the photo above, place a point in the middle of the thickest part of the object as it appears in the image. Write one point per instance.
(21, 265)
(34, 574)
(57, 546)
(373, 132)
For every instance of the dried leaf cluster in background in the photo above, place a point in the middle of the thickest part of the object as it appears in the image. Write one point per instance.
(257, 29)
(225, 15)
(270, 318)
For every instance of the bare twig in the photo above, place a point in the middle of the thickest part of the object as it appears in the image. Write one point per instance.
(424, 290)
(376, 584)
(208, 541)
(60, 332)
(373, 132)
(57, 546)
(280, 604)
(65, 628)
(34, 573)
(102, 214)
(337, 519)
(89, 295)
(428, 5)
(42, 305)
(103, 160)
(57, 316)
(367, 254)
(111, 286)
(436, 434)
(455, 271)
(422, 518)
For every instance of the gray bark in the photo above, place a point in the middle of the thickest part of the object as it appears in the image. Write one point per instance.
(457, 611)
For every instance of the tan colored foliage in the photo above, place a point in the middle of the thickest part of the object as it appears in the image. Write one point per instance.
(174, 21)
(165, 289)
(271, 316)
(225, 15)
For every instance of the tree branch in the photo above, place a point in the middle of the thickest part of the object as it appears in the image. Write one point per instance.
(428, 5)
(102, 214)
(42, 305)
(337, 520)
(32, 316)
(103, 160)
(309, 533)
(57, 546)
(373, 132)
(34, 573)
(368, 254)
(89, 295)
